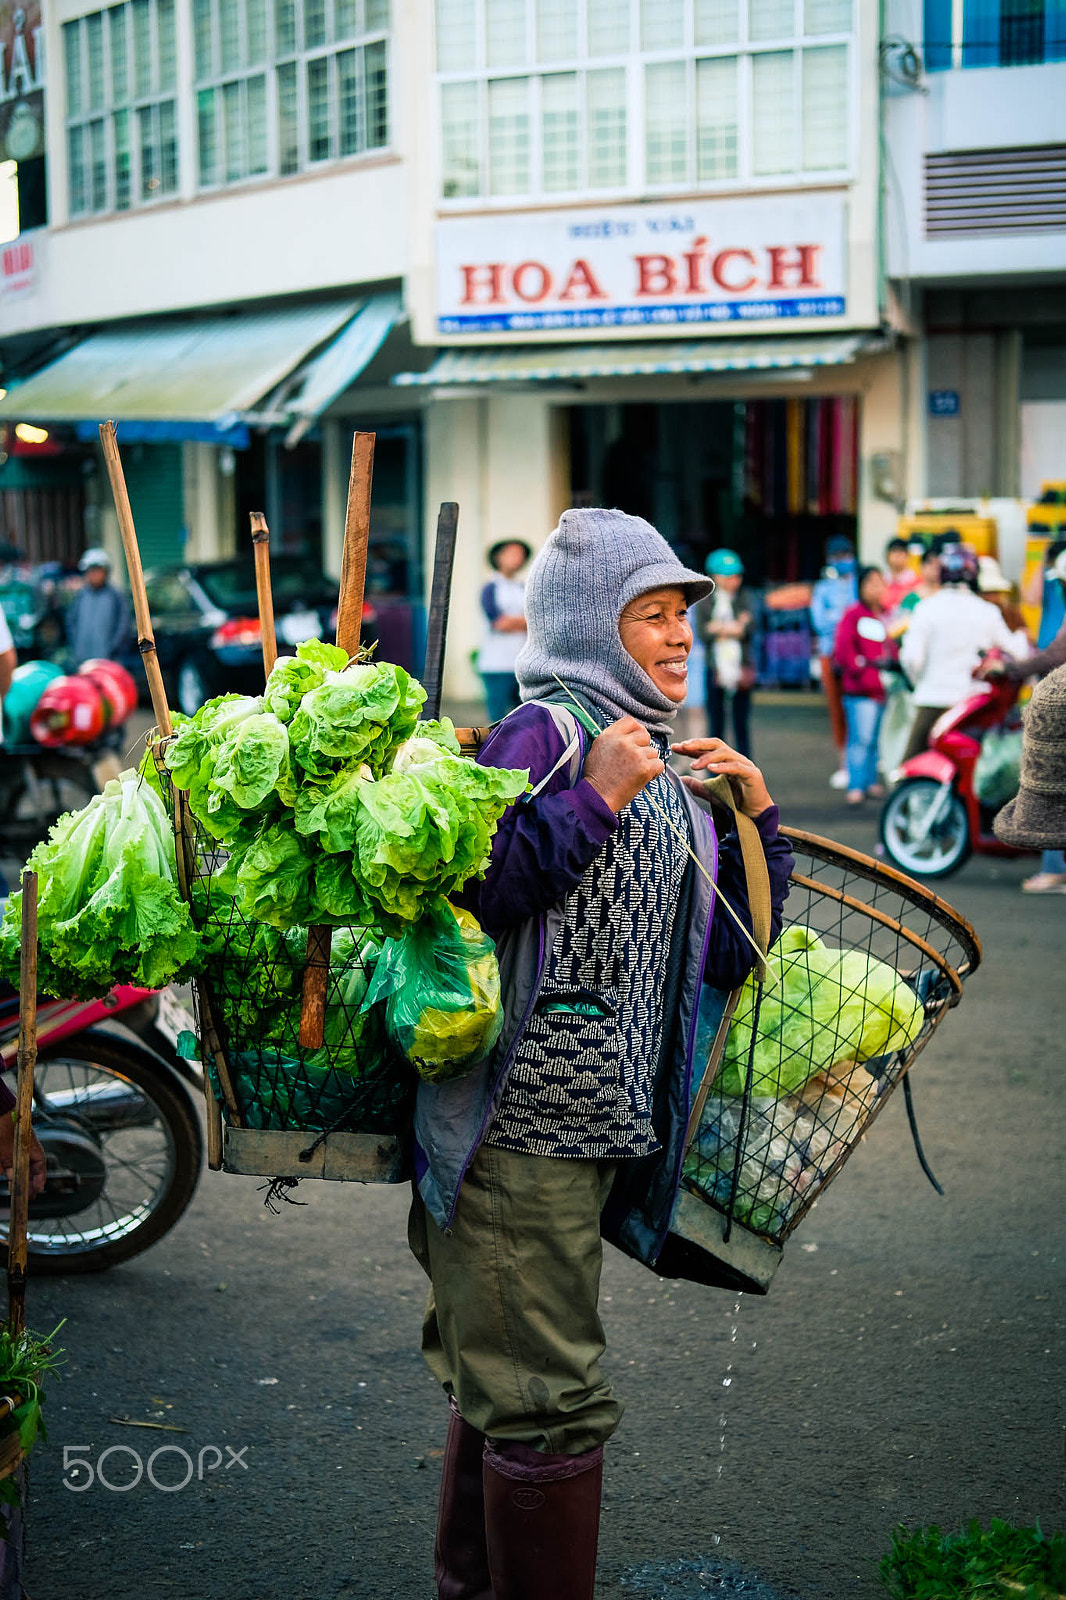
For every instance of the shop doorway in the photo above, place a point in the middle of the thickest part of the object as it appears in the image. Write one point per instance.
(772, 479)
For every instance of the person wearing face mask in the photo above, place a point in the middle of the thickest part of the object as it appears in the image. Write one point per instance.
(574, 1125)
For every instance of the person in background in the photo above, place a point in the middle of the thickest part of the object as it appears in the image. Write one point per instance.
(1051, 879)
(901, 578)
(1047, 589)
(928, 584)
(504, 626)
(942, 648)
(727, 625)
(98, 618)
(831, 596)
(860, 650)
(8, 659)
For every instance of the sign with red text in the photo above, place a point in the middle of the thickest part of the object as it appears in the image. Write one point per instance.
(658, 266)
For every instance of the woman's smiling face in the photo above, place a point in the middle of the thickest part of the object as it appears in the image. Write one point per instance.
(655, 630)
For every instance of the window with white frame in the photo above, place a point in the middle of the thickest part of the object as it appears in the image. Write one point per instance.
(555, 97)
(285, 84)
(121, 78)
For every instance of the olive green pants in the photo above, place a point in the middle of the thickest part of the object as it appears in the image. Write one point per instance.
(512, 1326)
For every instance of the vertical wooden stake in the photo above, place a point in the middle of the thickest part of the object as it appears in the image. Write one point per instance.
(145, 636)
(261, 547)
(439, 604)
(349, 624)
(27, 1060)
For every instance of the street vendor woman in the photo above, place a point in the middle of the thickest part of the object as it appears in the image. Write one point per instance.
(605, 931)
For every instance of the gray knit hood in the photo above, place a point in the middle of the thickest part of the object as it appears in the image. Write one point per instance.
(593, 564)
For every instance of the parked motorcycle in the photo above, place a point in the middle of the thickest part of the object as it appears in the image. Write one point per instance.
(114, 1111)
(933, 821)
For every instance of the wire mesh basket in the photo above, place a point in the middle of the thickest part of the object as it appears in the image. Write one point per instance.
(339, 1111)
(867, 966)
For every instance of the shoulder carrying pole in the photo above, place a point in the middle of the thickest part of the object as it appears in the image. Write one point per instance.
(349, 623)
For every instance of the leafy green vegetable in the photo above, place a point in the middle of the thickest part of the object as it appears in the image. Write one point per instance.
(1000, 1562)
(275, 876)
(354, 716)
(294, 676)
(108, 908)
(428, 829)
(233, 758)
(827, 1006)
(441, 985)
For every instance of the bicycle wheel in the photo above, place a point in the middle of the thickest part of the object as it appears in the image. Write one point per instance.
(124, 1148)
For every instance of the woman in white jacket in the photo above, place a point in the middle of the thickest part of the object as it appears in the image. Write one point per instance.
(942, 648)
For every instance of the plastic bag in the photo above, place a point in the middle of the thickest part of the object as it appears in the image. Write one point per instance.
(998, 769)
(441, 988)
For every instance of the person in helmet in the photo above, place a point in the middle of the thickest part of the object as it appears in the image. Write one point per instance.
(942, 648)
(98, 618)
(727, 623)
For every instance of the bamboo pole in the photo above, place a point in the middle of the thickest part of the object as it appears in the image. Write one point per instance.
(439, 605)
(146, 646)
(261, 547)
(145, 636)
(349, 624)
(27, 1060)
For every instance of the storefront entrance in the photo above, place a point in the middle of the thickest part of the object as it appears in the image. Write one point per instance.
(773, 479)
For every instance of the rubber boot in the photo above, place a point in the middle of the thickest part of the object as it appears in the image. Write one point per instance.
(542, 1517)
(461, 1562)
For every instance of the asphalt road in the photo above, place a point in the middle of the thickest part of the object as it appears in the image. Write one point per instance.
(905, 1366)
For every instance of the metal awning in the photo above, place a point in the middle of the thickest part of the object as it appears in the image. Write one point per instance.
(330, 373)
(203, 377)
(575, 362)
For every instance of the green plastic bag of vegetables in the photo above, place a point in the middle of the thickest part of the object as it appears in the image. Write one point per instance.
(441, 988)
(827, 1006)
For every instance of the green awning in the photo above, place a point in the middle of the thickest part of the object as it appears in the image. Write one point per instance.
(196, 370)
(576, 362)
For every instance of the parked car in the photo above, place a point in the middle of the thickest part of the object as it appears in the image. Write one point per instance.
(206, 621)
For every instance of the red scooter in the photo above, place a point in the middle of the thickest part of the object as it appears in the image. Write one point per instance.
(114, 1109)
(933, 821)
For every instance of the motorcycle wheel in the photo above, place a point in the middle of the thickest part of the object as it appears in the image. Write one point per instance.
(125, 1151)
(946, 845)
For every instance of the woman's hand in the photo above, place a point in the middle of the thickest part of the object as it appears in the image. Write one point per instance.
(717, 758)
(621, 761)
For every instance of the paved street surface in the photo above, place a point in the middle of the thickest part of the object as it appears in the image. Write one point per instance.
(902, 1369)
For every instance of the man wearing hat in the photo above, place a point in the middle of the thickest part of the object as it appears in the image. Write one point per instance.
(98, 617)
(1036, 818)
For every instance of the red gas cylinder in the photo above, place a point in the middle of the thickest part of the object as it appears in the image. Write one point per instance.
(115, 684)
(71, 711)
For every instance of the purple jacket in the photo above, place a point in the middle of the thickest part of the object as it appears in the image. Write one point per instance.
(541, 850)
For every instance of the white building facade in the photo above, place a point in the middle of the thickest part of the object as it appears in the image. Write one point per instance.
(553, 251)
(975, 116)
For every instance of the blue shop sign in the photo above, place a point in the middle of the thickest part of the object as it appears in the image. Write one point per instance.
(943, 402)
